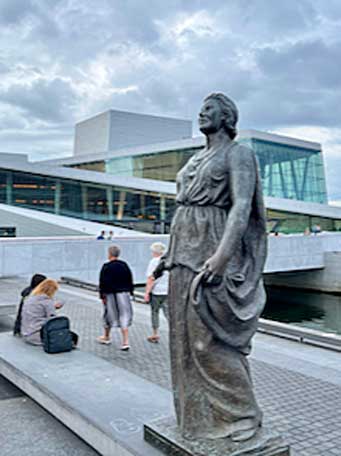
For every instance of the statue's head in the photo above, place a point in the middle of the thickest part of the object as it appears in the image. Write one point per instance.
(218, 111)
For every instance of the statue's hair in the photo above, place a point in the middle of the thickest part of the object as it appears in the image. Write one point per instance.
(229, 109)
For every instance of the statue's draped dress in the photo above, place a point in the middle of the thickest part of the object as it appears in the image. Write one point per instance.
(210, 373)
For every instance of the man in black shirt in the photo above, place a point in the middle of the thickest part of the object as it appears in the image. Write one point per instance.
(115, 288)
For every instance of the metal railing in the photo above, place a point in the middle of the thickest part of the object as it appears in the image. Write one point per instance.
(298, 334)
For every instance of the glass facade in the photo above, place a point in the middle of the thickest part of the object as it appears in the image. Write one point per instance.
(98, 166)
(291, 172)
(137, 209)
(160, 166)
(290, 222)
(287, 171)
(3, 186)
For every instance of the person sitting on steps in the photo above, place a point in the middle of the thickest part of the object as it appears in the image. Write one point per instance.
(35, 281)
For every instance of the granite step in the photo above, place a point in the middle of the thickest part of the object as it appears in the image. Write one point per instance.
(104, 405)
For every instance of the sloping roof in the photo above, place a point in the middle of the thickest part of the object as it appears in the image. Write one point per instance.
(81, 226)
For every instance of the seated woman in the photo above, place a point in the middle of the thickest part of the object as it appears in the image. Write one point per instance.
(35, 281)
(37, 309)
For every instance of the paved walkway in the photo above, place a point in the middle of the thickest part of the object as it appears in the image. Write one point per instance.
(298, 386)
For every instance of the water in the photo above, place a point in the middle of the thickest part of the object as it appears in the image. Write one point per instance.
(319, 311)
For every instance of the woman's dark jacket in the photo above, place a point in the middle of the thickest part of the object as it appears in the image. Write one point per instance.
(115, 277)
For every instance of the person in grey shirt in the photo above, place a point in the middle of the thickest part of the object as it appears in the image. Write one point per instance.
(35, 281)
(39, 307)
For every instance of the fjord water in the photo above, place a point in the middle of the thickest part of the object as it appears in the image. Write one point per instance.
(320, 311)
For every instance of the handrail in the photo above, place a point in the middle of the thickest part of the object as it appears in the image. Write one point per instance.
(303, 335)
(92, 286)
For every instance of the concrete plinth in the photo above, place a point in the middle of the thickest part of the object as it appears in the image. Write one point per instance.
(165, 436)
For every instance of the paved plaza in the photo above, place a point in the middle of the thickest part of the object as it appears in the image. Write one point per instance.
(298, 386)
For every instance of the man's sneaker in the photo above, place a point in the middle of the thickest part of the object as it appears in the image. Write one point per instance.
(103, 340)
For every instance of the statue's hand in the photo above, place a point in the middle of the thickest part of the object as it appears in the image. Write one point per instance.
(214, 267)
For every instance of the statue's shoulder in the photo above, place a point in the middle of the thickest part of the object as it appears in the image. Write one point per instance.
(243, 152)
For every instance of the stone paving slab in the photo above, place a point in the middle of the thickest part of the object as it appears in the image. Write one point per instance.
(304, 408)
(296, 398)
(26, 429)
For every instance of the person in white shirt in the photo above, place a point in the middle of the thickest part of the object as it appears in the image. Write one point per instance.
(110, 236)
(156, 290)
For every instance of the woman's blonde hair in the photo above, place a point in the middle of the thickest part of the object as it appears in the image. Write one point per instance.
(47, 287)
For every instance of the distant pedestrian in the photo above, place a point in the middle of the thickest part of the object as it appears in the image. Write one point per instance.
(316, 229)
(35, 281)
(156, 290)
(110, 236)
(101, 236)
(115, 288)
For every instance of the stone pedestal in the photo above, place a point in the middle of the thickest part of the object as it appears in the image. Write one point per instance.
(164, 435)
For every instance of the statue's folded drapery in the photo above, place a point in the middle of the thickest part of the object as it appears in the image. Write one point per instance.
(210, 333)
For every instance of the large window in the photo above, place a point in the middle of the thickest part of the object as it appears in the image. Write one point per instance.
(290, 223)
(291, 172)
(71, 199)
(97, 205)
(160, 166)
(287, 222)
(32, 191)
(3, 186)
(287, 171)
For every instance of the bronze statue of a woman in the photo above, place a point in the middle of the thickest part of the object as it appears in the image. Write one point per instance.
(216, 257)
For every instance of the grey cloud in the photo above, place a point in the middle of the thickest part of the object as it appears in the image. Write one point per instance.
(40, 144)
(38, 135)
(4, 68)
(312, 64)
(277, 60)
(265, 15)
(12, 121)
(13, 11)
(280, 106)
(330, 9)
(49, 100)
(299, 84)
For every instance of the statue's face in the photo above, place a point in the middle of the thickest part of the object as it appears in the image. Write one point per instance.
(210, 117)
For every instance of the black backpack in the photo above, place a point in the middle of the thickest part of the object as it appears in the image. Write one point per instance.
(56, 335)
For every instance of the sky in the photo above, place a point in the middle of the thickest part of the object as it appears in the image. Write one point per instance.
(62, 61)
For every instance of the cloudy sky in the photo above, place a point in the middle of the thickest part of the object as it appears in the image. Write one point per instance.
(64, 60)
